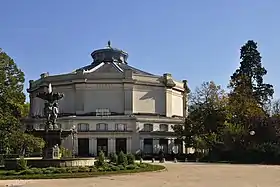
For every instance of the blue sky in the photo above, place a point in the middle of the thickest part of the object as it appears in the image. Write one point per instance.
(197, 40)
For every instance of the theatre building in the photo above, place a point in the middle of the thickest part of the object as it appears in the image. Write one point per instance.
(114, 106)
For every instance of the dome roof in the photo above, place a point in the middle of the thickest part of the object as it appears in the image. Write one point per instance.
(107, 59)
(109, 54)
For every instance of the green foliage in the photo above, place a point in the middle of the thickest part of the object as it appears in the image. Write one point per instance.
(122, 159)
(219, 124)
(101, 160)
(121, 167)
(24, 142)
(113, 157)
(248, 78)
(131, 167)
(65, 153)
(66, 172)
(130, 158)
(12, 99)
(22, 164)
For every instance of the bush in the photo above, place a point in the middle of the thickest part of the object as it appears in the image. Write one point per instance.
(84, 169)
(113, 157)
(101, 160)
(115, 168)
(100, 169)
(65, 153)
(131, 167)
(121, 167)
(122, 159)
(143, 165)
(22, 164)
(11, 172)
(63, 170)
(130, 158)
(75, 170)
(35, 171)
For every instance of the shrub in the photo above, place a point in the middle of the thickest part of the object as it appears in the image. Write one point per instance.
(115, 168)
(74, 170)
(92, 169)
(121, 167)
(101, 169)
(22, 164)
(29, 172)
(47, 171)
(113, 157)
(63, 170)
(122, 160)
(101, 160)
(142, 165)
(11, 172)
(131, 167)
(84, 169)
(35, 171)
(65, 153)
(130, 158)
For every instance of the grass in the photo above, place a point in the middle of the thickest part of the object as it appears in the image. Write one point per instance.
(149, 167)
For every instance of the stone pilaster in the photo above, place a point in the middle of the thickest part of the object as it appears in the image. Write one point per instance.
(128, 99)
(128, 144)
(93, 146)
(170, 145)
(168, 102)
(155, 146)
(141, 144)
(111, 145)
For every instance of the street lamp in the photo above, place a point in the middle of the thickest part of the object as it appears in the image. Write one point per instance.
(252, 133)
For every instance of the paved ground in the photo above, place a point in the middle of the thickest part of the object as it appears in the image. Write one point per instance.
(177, 175)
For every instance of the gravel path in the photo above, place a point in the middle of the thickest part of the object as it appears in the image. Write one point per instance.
(177, 175)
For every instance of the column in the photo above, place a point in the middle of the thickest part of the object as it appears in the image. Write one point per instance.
(183, 147)
(170, 145)
(155, 146)
(111, 145)
(168, 102)
(141, 144)
(93, 146)
(75, 149)
(128, 144)
(128, 99)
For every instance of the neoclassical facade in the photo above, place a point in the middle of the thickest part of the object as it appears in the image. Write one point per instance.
(114, 106)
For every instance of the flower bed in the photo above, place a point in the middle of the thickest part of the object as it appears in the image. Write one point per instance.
(118, 165)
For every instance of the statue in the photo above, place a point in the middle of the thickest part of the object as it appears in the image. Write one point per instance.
(51, 107)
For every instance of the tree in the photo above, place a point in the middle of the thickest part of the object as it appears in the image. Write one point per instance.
(248, 78)
(11, 97)
(13, 108)
(26, 143)
(206, 116)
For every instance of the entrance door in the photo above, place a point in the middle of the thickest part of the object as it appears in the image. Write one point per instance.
(83, 147)
(102, 145)
(121, 145)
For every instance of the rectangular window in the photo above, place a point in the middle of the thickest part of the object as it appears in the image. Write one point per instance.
(102, 127)
(163, 127)
(121, 127)
(83, 127)
(148, 127)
